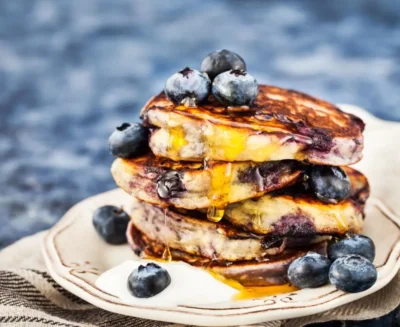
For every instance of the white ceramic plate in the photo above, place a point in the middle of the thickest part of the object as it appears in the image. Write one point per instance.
(76, 256)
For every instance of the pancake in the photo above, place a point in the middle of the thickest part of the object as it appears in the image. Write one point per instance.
(271, 270)
(288, 212)
(282, 124)
(193, 234)
(193, 186)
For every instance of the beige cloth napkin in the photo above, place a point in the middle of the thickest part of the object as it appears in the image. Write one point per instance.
(29, 297)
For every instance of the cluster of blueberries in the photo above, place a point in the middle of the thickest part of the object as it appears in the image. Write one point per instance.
(348, 266)
(222, 73)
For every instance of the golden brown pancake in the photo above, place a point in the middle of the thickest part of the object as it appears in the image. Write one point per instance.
(192, 233)
(287, 212)
(282, 124)
(197, 186)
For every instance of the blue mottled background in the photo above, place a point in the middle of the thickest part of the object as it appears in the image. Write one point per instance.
(70, 71)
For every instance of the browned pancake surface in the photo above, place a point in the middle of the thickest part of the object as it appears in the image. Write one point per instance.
(274, 108)
(201, 185)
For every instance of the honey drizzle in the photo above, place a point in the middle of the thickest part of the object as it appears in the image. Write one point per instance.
(215, 214)
(176, 141)
(341, 222)
(244, 292)
(167, 256)
(221, 176)
(248, 293)
(257, 218)
(165, 216)
(226, 142)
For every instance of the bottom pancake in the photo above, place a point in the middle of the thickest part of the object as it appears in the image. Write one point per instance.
(271, 270)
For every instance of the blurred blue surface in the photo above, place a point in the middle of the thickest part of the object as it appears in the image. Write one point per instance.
(70, 71)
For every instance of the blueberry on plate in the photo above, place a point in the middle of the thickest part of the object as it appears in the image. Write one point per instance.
(235, 88)
(147, 281)
(188, 87)
(221, 61)
(330, 184)
(354, 244)
(111, 223)
(129, 141)
(309, 271)
(352, 273)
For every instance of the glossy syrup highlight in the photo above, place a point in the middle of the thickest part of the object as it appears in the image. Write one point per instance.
(221, 176)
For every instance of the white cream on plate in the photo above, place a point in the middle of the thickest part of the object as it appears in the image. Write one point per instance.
(189, 285)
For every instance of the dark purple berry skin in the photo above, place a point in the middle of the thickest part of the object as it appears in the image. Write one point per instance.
(330, 184)
(354, 244)
(148, 281)
(235, 88)
(221, 61)
(129, 141)
(188, 87)
(352, 274)
(169, 185)
(309, 271)
(111, 223)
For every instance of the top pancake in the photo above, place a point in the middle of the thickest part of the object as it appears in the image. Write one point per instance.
(282, 124)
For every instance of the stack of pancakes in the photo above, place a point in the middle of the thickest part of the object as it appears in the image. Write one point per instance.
(224, 188)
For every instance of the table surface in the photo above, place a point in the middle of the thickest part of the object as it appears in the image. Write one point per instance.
(70, 71)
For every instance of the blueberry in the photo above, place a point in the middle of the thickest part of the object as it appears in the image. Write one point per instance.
(189, 87)
(129, 140)
(147, 281)
(221, 61)
(111, 223)
(354, 244)
(352, 273)
(330, 184)
(309, 271)
(235, 88)
(169, 185)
